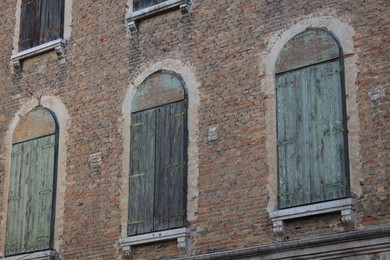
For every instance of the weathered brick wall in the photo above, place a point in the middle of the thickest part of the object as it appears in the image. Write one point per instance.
(221, 42)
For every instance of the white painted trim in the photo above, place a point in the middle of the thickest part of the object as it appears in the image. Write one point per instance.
(58, 45)
(154, 9)
(133, 16)
(155, 237)
(47, 254)
(312, 209)
(39, 49)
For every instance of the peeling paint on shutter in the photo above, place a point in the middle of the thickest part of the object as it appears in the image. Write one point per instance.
(311, 136)
(31, 196)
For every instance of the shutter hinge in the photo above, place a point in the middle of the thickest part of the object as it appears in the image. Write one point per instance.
(287, 84)
(137, 124)
(43, 192)
(177, 166)
(43, 238)
(134, 222)
(179, 114)
(14, 199)
(335, 132)
(137, 175)
(287, 142)
(331, 73)
(47, 145)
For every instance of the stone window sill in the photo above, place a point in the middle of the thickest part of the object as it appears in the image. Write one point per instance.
(42, 255)
(182, 236)
(57, 45)
(345, 206)
(133, 17)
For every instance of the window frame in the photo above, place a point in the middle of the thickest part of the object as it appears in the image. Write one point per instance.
(49, 252)
(58, 45)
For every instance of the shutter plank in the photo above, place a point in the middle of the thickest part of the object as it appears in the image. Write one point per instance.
(141, 4)
(30, 215)
(142, 168)
(170, 166)
(29, 24)
(313, 169)
(51, 20)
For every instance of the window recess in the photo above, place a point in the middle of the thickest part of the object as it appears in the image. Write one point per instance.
(41, 29)
(143, 9)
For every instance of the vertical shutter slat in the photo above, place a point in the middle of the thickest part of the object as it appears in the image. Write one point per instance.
(142, 167)
(29, 24)
(170, 166)
(311, 169)
(51, 20)
(29, 221)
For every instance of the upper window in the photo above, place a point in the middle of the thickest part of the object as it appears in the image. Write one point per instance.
(311, 121)
(158, 156)
(42, 21)
(140, 4)
(30, 216)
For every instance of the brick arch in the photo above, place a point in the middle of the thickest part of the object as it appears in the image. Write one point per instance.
(36, 123)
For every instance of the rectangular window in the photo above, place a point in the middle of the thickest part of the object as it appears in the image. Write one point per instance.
(41, 21)
(141, 4)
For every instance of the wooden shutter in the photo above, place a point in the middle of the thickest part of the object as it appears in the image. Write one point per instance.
(29, 24)
(142, 171)
(51, 20)
(140, 4)
(311, 135)
(31, 196)
(170, 166)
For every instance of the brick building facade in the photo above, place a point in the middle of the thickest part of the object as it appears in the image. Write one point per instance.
(95, 65)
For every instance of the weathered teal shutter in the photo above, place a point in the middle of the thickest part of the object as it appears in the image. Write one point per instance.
(51, 20)
(31, 196)
(29, 24)
(158, 170)
(311, 152)
(170, 166)
(311, 126)
(142, 171)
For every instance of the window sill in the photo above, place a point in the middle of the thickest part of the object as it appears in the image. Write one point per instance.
(133, 17)
(345, 206)
(42, 255)
(181, 234)
(57, 45)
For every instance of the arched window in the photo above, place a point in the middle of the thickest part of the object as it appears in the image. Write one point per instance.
(31, 199)
(158, 155)
(311, 121)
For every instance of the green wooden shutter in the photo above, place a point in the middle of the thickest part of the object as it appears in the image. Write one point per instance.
(142, 170)
(31, 196)
(311, 135)
(170, 166)
(29, 24)
(51, 20)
